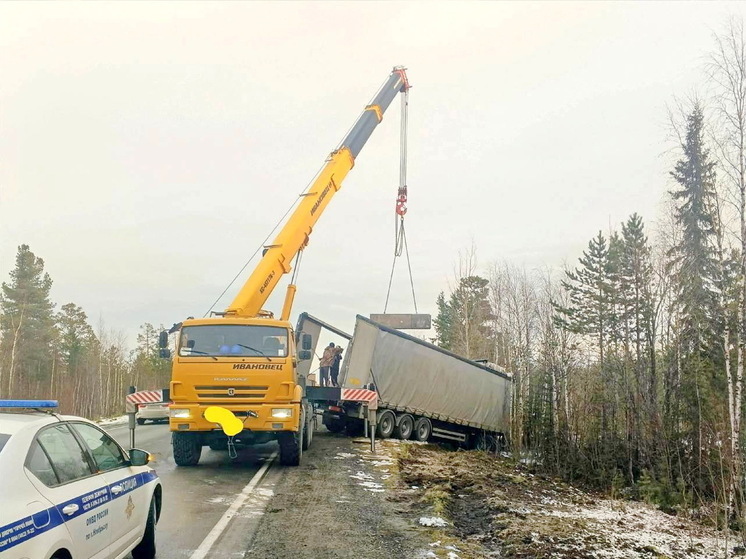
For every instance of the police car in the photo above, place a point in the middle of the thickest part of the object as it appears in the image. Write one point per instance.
(69, 491)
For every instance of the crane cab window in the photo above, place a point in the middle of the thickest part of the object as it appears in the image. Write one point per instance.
(233, 340)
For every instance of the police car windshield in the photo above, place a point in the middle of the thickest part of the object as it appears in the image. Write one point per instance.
(233, 340)
(3, 439)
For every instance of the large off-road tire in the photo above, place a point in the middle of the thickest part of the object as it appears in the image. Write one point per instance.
(187, 448)
(146, 548)
(405, 427)
(291, 446)
(308, 432)
(386, 424)
(423, 429)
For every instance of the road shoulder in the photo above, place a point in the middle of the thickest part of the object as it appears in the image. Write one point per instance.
(339, 503)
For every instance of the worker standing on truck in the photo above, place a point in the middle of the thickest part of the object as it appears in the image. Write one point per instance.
(326, 363)
(335, 365)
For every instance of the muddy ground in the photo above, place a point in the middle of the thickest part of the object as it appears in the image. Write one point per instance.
(414, 501)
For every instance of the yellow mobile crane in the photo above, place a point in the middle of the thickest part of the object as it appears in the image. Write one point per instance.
(239, 369)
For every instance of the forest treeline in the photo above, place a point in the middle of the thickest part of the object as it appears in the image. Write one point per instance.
(50, 353)
(629, 367)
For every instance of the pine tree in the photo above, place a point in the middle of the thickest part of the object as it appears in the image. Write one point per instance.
(75, 335)
(26, 325)
(149, 369)
(462, 324)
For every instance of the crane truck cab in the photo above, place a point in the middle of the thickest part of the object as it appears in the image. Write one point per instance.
(234, 378)
(248, 367)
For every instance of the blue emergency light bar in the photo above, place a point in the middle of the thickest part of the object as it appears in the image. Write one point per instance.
(29, 404)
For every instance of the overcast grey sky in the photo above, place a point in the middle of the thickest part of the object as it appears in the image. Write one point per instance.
(146, 149)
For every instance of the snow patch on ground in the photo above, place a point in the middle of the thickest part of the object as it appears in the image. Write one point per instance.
(634, 525)
(362, 476)
(372, 486)
(433, 522)
(113, 420)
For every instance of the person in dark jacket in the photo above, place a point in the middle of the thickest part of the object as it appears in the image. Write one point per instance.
(335, 365)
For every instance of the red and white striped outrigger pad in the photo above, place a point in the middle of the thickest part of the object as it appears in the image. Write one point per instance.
(359, 395)
(142, 397)
(145, 397)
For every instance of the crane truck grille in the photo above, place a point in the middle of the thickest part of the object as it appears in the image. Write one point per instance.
(242, 392)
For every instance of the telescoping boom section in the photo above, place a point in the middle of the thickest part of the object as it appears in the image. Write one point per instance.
(235, 378)
(294, 236)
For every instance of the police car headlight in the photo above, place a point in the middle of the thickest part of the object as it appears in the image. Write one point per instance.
(180, 413)
(282, 413)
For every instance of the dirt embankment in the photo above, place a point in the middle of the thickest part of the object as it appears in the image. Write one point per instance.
(496, 508)
(414, 501)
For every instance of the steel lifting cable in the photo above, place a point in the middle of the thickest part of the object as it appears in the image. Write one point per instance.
(400, 242)
(279, 222)
(264, 243)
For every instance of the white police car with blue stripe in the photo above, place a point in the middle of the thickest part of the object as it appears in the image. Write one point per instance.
(69, 491)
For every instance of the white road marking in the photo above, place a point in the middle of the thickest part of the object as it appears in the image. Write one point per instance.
(212, 537)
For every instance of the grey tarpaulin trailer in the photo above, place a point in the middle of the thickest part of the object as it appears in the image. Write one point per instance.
(423, 390)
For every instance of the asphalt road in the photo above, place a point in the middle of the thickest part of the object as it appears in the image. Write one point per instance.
(196, 499)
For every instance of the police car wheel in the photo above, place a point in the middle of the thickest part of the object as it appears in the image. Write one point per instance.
(140, 421)
(146, 548)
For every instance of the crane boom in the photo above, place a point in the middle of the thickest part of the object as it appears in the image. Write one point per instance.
(293, 237)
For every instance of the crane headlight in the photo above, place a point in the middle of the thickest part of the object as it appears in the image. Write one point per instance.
(282, 413)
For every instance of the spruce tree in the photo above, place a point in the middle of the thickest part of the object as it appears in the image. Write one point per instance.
(695, 269)
(694, 257)
(590, 289)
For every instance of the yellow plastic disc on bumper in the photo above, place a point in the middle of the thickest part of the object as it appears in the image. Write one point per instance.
(230, 423)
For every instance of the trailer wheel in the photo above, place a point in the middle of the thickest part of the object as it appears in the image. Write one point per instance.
(187, 448)
(405, 428)
(423, 429)
(335, 425)
(386, 424)
(354, 427)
